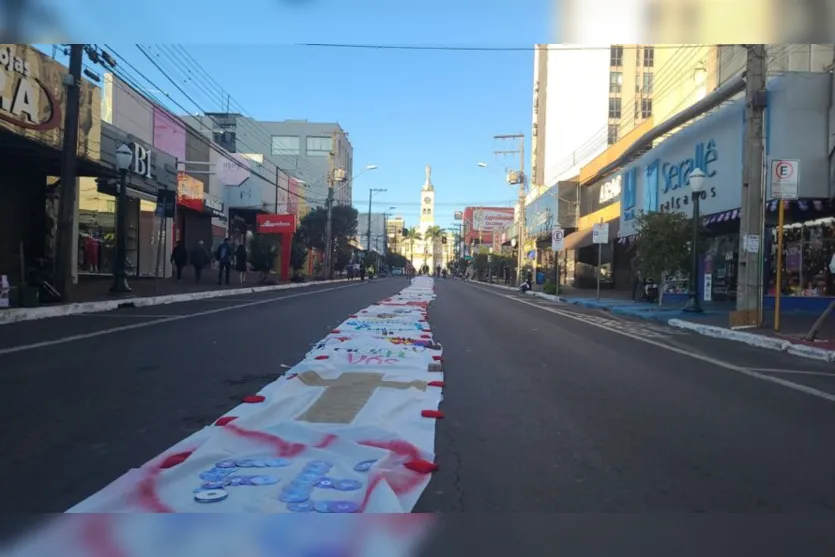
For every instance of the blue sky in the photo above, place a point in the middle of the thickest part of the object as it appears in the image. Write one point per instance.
(403, 109)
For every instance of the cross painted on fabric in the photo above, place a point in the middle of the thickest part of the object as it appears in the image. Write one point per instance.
(345, 396)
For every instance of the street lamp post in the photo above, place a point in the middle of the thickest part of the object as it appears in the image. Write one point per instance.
(697, 182)
(124, 155)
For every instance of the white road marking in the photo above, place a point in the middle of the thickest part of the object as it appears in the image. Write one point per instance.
(791, 371)
(127, 314)
(63, 340)
(707, 359)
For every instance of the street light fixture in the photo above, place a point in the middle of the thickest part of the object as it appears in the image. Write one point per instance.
(124, 155)
(329, 248)
(482, 164)
(697, 182)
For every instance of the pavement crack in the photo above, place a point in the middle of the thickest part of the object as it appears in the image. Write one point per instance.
(456, 472)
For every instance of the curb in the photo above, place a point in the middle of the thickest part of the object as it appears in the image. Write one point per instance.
(753, 339)
(16, 315)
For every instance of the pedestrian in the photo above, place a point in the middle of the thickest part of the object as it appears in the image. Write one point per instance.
(240, 262)
(199, 259)
(223, 254)
(179, 258)
(362, 272)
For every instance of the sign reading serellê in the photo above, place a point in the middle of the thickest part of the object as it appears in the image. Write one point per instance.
(276, 224)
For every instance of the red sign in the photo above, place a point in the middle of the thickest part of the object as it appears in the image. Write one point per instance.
(189, 192)
(276, 224)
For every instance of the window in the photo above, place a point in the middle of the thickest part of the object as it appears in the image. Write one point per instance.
(615, 82)
(285, 145)
(616, 56)
(646, 108)
(647, 83)
(637, 110)
(318, 146)
(613, 133)
(649, 57)
(614, 108)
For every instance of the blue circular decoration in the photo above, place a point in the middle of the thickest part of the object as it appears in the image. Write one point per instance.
(246, 463)
(347, 485)
(303, 507)
(294, 487)
(365, 465)
(237, 481)
(226, 464)
(214, 485)
(343, 507)
(210, 496)
(277, 462)
(293, 497)
(309, 477)
(263, 480)
(325, 483)
(321, 507)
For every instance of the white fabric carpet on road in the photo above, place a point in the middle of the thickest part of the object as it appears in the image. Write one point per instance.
(343, 431)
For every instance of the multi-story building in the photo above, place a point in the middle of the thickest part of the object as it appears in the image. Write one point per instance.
(378, 236)
(394, 232)
(298, 147)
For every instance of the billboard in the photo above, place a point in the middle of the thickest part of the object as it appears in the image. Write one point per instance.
(489, 219)
(276, 224)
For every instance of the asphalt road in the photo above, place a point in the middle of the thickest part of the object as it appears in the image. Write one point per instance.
(549, 408)
(79, 412)
(553, 409)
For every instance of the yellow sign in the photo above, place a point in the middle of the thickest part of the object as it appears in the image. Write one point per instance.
(189, 191)
(606, 214)
(33, 100)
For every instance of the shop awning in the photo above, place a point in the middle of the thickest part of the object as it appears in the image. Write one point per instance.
(583, 238)
(23, 151)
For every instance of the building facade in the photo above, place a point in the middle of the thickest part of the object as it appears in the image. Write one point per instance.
(798, 125)
(297, 147)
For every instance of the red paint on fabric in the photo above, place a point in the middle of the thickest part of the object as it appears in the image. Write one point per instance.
(438, 358)
(421, 466)
(326, 441)
(282, 448)
(97, 536)
(437, 414)
(436, 383)
(336, 331)
(253, 399)
(147, 494)
(225, 420)
(399, 483)
(321, 357)
(174, 459)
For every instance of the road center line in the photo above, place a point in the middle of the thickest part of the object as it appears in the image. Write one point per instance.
(792, 371)
(72, 338)
(719, 363)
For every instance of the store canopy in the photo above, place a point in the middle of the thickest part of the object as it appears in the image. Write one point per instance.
(583, 238)
(20, 150)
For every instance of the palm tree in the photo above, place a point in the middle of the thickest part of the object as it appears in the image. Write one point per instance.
(412, 235)
(434, 234)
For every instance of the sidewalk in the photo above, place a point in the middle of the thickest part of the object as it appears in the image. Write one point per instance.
(714, 321)
(93, 295)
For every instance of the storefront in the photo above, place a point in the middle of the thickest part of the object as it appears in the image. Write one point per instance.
(795, 128)
(214, 207)
(148, 242)
(282, 226)
(194, 223)
(32, 103)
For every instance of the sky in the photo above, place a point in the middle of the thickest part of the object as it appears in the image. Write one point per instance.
(403, 109)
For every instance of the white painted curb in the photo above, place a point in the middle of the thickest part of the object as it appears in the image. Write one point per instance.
(551, 297)
(752, 339)
(15, 315)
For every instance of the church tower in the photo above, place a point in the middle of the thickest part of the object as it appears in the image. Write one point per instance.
(427, 202)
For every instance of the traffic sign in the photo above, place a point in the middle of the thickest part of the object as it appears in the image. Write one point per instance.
(785, 174)
(557, 238)
(600, 233)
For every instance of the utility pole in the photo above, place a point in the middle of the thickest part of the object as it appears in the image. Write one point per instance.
(518, 178)
(329, 204)
(371, 193)
(749, 299)
(69, 154)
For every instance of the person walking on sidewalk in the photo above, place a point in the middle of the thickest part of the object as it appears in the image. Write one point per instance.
(635, 273)
(199, 260)
(223, 254)
(240, 262)
(179, 258)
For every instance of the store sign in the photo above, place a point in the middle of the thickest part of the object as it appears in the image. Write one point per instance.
(677, 175)
(276, 224)
(142, 161)
(630, 193)
(25, 100)
(610, 190)
(213, 206)
(189, 192)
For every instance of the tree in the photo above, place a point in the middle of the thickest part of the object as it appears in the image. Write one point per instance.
(298, 255)
(263, 250)
(663, 245)
(395, 260)
(313, 227)
(412, 236)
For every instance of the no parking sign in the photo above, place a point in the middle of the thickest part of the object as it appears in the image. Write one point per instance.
(557, 238)
(784, 175)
